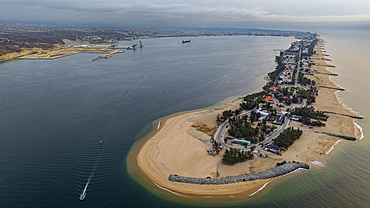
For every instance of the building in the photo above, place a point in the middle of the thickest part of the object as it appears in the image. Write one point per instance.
(269, 99)
(272, 148)
(243, 142)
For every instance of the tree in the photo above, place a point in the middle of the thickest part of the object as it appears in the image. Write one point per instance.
(288, 102)
(285, 92)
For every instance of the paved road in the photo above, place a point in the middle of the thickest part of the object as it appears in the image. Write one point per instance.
(298, 67)
(298, 85)
(222, 130)
(277, 79)
(276, 133)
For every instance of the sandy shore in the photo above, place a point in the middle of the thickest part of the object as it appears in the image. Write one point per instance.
(179, 148)
(38, 53)
(65, 52)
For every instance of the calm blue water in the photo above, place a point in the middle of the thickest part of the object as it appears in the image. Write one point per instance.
(55, 112)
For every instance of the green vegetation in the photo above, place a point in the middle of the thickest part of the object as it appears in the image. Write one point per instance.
(240, 127)
(280, 163)
(249, 105)
(285, 139)
(254, 95)
(279, 68)
(310, 116)
(301, 94)
(233, 156)
(227, 114)
(216, 145)
(304, 80)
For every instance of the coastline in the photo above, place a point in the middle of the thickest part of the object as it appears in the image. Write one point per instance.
(178, 148)
(37, 53)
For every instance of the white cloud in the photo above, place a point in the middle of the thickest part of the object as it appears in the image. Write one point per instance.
(119, 12)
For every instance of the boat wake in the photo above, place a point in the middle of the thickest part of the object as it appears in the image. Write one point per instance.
(83, 193)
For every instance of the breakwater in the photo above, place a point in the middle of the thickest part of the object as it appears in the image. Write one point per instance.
(270, 173)
(340, 136)
(355, 117)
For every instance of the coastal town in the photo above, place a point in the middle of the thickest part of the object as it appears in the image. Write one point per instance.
(257, 137)
(261, 124)
(254, 138)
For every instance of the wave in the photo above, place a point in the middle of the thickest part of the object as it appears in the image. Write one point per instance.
(172, 192)
(159, 124)
(264, 185)
(359, 127)
(317, 163)
(332, 147)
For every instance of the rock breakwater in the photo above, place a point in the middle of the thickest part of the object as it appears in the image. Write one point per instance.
(271, 173)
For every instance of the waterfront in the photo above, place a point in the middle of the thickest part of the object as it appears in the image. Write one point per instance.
(55, 113)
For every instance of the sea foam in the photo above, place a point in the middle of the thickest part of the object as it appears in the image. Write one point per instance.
(332, 147)
(172, 192)
(264, 185)
(317, 163)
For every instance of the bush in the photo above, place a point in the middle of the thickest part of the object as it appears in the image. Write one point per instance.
(280, 163)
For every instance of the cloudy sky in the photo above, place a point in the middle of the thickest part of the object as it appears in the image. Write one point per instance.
(190, 13)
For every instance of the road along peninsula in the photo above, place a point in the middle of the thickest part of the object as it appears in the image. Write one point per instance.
(193, 145)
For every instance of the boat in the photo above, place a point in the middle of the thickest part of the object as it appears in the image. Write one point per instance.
(101, 142)
(185, 41)
(82, 196)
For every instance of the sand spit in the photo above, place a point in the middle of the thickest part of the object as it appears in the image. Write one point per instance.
(178, 148)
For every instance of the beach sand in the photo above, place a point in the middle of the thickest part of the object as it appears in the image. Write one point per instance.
(178, 148)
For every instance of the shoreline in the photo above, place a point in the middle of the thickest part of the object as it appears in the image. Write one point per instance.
(155, 170)
(36, 53)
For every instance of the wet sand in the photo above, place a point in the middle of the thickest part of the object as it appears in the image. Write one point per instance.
(178, 148)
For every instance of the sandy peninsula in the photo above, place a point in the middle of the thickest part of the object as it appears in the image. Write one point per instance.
(179, 145)
(57, 52)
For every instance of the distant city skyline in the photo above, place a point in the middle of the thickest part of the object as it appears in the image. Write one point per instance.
(284, 14)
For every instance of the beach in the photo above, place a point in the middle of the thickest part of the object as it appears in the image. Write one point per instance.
(177, 147)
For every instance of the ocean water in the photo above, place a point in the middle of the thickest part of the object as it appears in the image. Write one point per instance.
(55, 112)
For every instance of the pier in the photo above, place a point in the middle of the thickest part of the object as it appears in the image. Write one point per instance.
(108, 55)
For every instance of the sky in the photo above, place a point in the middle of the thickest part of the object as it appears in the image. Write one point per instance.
(191, 13)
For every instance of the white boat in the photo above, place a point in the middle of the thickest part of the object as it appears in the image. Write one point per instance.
(82, 196)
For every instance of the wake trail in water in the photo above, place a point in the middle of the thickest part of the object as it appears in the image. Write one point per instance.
(83, 193)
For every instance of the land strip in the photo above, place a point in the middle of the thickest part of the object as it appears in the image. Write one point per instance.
(181, 149)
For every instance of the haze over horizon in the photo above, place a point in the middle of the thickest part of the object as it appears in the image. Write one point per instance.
(285, 14)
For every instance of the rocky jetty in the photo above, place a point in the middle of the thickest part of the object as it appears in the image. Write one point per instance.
(340, 136)
(271, 173)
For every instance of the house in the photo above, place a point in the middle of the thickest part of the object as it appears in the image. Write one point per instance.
(272, 148)
(295, 118)
(280, 120)
(244, 142)
(264, 114)
(273, 88)
(269, 99)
